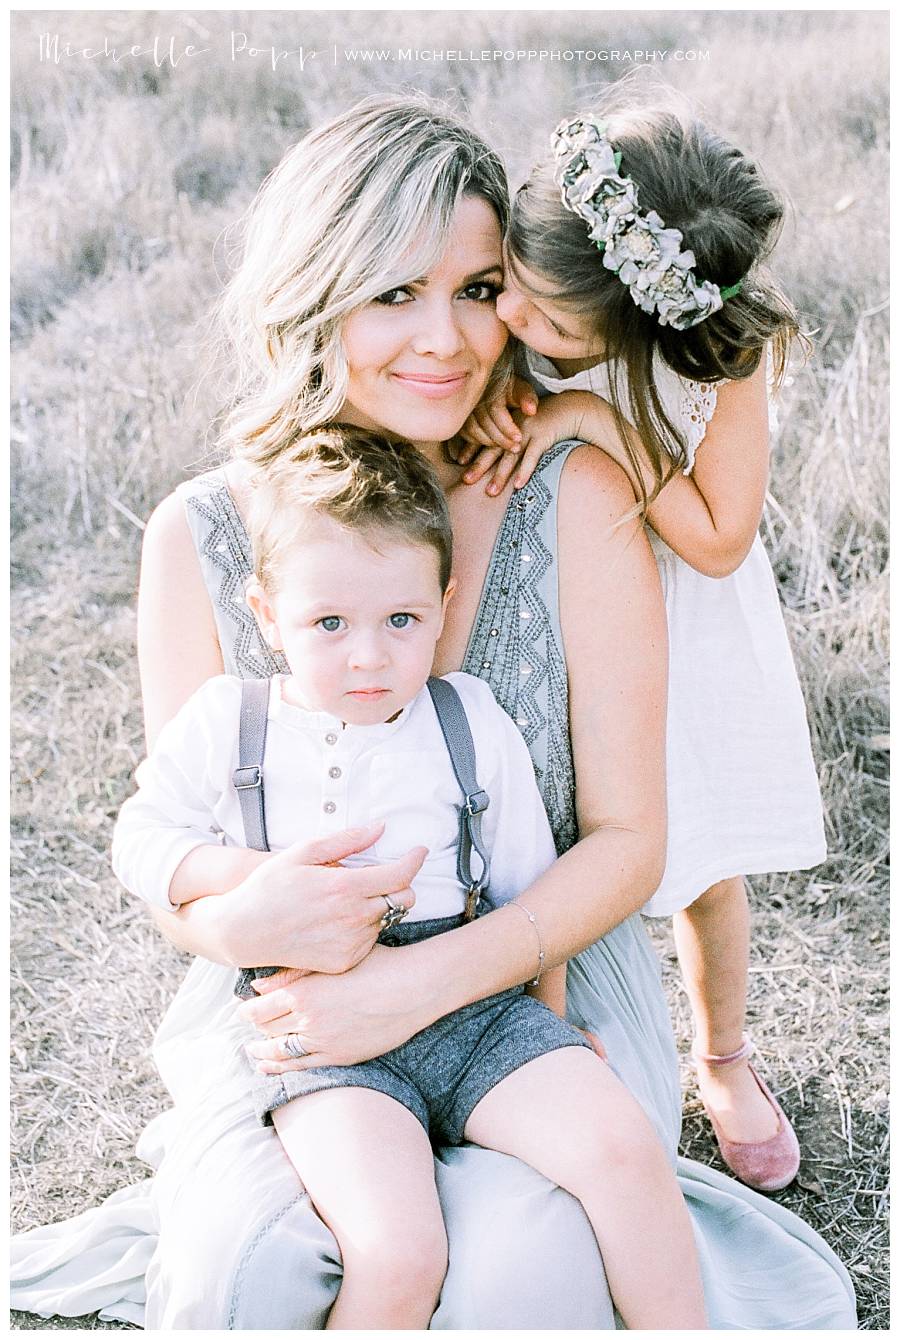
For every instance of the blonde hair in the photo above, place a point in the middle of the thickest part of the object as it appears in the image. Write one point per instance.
(366, 482)
(361, 205)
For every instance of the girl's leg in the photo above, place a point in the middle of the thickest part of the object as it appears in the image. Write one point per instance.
(367, 1164)
(568, 1115)
(713, 941)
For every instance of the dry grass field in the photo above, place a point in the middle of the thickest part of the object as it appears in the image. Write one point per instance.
(124, 177)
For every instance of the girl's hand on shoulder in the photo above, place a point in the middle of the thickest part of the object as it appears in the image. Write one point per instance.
(491, 424)
(492, 435)
(558, 418)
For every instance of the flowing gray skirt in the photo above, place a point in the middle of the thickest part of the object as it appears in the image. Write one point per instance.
(224, 1237)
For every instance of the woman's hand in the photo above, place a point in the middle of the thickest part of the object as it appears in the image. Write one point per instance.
(339, 1020)
(301, 908)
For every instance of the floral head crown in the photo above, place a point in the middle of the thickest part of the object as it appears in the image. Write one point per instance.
(642, 252)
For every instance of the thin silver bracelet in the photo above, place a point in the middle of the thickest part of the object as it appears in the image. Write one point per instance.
(533, 919)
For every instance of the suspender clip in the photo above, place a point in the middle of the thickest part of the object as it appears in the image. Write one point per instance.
(473, 898)
(477, 803)
(247, 779)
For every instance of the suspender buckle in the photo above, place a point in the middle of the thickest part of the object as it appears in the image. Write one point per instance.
(247, 779)
(477, 803)
(473, 898)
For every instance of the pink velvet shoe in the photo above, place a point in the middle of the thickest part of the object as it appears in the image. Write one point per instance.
(765, 1165)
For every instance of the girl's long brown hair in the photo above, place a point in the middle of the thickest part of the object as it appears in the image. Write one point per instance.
(730, 218)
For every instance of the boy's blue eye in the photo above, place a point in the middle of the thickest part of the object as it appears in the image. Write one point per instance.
(331, 623)
(401, 620)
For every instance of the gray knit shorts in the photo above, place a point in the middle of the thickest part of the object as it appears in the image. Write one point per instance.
(442, 1073)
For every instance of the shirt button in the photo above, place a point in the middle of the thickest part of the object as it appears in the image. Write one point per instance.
(329, 807)
(334, 772)
(331, 738)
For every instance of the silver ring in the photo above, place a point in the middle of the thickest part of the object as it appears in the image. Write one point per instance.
(292, 1046)
(394, 914)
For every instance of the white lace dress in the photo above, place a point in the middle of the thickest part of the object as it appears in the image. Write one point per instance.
(743, 792)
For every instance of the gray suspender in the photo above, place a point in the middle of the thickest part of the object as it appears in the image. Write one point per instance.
(247, 776)
(451, 715)
(248, 782)
(454, 726)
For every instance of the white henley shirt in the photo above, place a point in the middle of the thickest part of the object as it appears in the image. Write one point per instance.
(322, 776)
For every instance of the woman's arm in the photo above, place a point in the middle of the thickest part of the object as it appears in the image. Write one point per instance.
(551, 989)
(614, 630)
(178, 646)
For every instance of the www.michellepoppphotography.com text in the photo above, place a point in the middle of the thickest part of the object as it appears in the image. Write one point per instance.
(172, 51)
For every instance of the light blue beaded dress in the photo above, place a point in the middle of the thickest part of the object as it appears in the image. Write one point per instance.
(223, 1236)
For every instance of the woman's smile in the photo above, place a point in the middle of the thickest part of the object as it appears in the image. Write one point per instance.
(420, 355)
(431, 385)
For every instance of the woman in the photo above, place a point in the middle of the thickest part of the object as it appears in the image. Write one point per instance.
(373, 256)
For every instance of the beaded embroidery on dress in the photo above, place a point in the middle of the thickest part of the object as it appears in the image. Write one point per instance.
(226, 561)
(521, 657)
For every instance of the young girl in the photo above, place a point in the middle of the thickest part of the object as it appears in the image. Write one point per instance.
(352, 550)
(634, 284)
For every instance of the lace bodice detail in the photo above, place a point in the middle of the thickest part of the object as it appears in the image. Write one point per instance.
(515, 644)
(697, 406)
(689, 405)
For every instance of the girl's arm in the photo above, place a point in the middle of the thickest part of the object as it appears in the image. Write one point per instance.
(614, 632)
(710, 517)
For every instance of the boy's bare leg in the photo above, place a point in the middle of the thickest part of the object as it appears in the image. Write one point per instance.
(713, 941)
(568, 1116)
(368, 1166)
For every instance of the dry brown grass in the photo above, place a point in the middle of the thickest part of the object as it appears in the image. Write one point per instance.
(124, 179)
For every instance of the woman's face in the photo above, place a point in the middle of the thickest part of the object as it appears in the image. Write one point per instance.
(420, 356)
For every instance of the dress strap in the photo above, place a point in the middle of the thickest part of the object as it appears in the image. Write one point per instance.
(516, 641)
(225, 558)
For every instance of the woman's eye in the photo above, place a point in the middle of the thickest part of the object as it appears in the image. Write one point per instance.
(394, 297)
(563, 334)
(332, 623)
(401, 620)
(483, 292)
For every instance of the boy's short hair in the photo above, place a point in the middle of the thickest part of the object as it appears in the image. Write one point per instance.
(359, 478)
